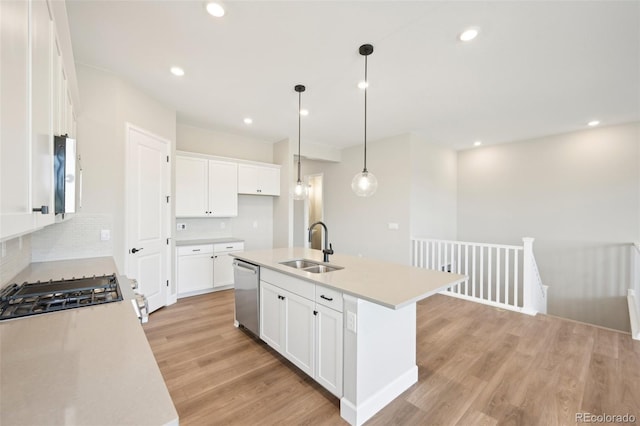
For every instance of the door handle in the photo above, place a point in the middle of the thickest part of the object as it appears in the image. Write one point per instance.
(135, 250)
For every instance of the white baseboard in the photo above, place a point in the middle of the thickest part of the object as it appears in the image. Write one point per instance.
(634, 314)
(357, 415)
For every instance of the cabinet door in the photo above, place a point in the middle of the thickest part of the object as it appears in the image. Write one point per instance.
(222, 269)
(247, 179)
(223, 189)
(258, 180)
(269, 181)
(15, 155)
(299, 332)
(271, 316)
(329, 350)
(195, 273)
(42, 111)
(191, 187)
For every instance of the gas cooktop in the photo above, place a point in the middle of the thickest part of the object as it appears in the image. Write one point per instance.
(42, 297)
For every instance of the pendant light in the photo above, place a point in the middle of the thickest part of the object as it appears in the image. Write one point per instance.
(365, 184)
(300, 190)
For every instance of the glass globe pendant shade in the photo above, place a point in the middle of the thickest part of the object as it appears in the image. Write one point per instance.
(364, 184)
(300, 191)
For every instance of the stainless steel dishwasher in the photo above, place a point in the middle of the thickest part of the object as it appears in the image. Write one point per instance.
(247, 294)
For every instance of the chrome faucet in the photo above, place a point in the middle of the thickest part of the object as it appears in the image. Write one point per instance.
(327, 250)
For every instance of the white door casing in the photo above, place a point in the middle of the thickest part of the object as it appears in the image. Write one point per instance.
(147, 214)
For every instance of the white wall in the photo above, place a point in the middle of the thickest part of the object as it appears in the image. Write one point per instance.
(16, 255)
(107, 104)
(433, 190)
(283, 205)
(578, 195)
(206, 141)
(417, 191)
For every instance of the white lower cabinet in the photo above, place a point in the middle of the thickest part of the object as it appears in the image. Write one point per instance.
(195, 269)
(329, 349)
(223, 263)
(271, 316)
(307, 333)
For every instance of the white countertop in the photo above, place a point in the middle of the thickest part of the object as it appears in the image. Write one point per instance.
(197, 241)
(84, 366)
(385, 283)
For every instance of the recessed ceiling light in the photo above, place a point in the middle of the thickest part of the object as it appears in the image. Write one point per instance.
(593, 123)
(248, 120)
(304, 112)
(477, 143)
(215, 9)
(363, 85)
(177, 71)
(469, 34)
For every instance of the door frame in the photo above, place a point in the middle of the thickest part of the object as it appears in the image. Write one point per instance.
(307, 200)
(167, 215)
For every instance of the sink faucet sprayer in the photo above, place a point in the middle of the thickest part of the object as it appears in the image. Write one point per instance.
(327, 250)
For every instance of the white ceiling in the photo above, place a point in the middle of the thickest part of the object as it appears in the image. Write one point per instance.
(537, 67)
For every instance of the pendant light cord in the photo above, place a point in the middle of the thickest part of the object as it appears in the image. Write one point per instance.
(299, 106)
(366, 84)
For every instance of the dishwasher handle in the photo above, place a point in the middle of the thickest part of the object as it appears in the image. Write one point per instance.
(245, 267)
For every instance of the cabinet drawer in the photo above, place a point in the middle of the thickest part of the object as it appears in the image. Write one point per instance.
(294, 285)
(235, 246)
(200, 249)
(329, 298)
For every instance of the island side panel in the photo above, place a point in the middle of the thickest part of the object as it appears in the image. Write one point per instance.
(379, 357)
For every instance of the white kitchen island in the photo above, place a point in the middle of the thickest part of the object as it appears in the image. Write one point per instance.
(377, 334)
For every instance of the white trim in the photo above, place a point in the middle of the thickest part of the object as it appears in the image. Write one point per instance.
(227, 159)
(503, 246)
(634, 314)
(358, 414)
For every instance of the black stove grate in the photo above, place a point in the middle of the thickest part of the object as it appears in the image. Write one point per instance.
(51, 296)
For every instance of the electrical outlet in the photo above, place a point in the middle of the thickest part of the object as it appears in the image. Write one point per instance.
(105, 235)
(181, 226)
(351, 321)
(255, 223)
(394, 226)
(223, 225)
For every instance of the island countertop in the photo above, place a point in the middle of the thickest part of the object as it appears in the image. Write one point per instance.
(90, 365)
(385, 283)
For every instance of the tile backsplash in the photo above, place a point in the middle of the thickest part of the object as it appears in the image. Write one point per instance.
(16, 255)
(76, 238)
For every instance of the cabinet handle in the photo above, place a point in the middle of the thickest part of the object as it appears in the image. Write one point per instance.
(42, 209)
(315, 312)
(280, 297)
(326, 298)
(229, 247)
(195, 250)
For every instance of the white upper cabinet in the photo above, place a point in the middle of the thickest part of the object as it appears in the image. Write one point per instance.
(223, 189)
(15, 155)
(191, 187)
(206, 188)
(42, 59)
(34, 105)
(258, 180)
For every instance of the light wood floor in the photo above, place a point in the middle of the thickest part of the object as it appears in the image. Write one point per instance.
(477, 366)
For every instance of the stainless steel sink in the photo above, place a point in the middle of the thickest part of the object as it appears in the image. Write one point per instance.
(310, 266)
(299, 263)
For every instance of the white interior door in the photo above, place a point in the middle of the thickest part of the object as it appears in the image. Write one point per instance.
(148, 214)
